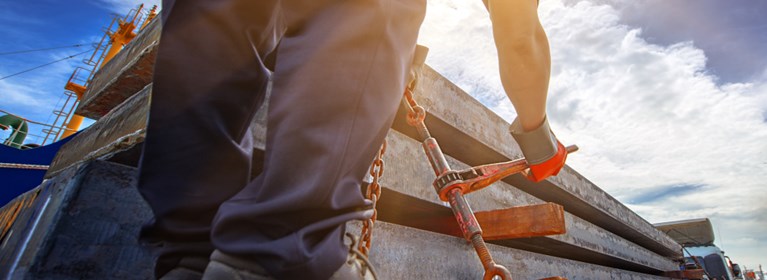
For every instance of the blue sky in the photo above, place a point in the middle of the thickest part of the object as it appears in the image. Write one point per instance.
(667, 99)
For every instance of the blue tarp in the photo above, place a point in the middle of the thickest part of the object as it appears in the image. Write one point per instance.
(15, 181)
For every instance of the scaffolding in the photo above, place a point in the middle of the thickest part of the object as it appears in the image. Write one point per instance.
(116, 35)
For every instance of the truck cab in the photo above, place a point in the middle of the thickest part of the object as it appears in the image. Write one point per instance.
(697, 239)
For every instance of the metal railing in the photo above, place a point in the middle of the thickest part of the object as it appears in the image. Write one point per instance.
(31, 139)
(82, 76)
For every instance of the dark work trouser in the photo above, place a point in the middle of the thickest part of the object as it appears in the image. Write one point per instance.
(338, 78)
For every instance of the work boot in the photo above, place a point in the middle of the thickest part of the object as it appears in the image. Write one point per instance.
(188, 268)
(223, 266)
(182, 273)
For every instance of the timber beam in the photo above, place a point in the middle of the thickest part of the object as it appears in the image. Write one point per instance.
(522, 221)
(516, 222)
(686, 274)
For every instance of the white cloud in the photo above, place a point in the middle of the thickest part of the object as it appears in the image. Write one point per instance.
(33, 89)
(16, 94)
(645, 116)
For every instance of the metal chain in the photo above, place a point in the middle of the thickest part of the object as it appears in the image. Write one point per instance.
(373, 193)
(466, 219)
(23, 166)
(377, 168)
(417, 114)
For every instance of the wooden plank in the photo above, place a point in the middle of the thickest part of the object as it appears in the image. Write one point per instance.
(522, 221)
(685, 274)
(516, 222)
(403, 209)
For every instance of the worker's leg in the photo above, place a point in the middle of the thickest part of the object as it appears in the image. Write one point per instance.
(523, 56)
(525, 66)
(208, 82)
(338, 82)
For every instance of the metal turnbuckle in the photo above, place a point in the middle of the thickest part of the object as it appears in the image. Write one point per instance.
(461, 209)
(451, 185)
(478, 177)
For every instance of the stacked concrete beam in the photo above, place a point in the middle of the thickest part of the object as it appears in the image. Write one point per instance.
(85, 221)
(605, 239)
(128, 72)
(405, 253)
(408, 172)
(475, 135)
(122, 128)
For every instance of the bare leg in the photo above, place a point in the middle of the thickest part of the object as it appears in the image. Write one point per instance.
(523, 54)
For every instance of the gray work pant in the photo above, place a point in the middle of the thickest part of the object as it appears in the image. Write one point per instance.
(339, 69)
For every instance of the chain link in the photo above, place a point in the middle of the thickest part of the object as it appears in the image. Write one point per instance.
(373, 193)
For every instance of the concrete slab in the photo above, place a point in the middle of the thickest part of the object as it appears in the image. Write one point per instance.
(89, 218)
(119, 129)
(83, 226)
(473, 134)
(405, 253)
(126, 74)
